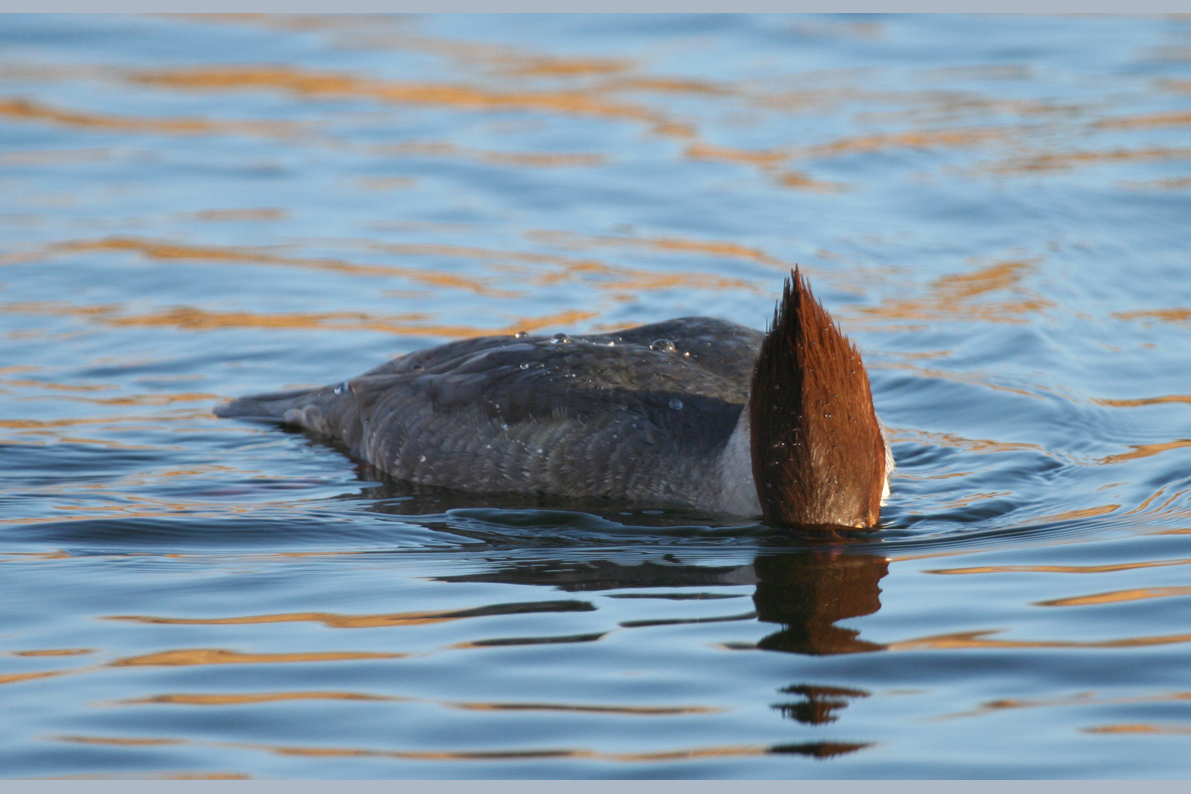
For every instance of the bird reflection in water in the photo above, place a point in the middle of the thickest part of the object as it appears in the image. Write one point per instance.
(806, 591)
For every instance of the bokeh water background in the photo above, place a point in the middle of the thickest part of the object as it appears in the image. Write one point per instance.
(191, 208)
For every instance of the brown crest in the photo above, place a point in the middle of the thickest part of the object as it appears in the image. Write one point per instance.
(818, 453)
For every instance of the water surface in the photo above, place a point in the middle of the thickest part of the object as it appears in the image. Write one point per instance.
(194, 208)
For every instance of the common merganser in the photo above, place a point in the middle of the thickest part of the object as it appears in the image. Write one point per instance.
(693, 412)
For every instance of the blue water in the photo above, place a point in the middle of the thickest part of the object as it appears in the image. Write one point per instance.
(193, 208)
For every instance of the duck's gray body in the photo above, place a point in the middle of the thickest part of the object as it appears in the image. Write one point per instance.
(652, 415)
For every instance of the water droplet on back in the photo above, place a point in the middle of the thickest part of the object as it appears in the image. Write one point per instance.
(342, 387)
(524, 365)
(560, 339)
(663, 346)
(676, 404)
(520, 335)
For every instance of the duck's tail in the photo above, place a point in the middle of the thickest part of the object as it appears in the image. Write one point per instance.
(819, 453)
(271, 407)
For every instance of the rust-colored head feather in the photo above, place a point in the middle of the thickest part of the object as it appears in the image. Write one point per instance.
(818, 452)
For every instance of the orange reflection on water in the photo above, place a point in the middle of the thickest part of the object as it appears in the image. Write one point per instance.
(1057, 161)
(1141, 727)
(1076, 515)
(54, 652)
(964, 640)
(219, 216)
(153, 776)
(717, 248)
(194, 319)
(44, 384)
(331, 85)
(1166, 315)
(950, 297)
(142, 399)
(121, 741)
(55, 156)
(815, 749)
(633, 711)
(43, 425)
(1166, 398)
(207, 656)
(563, 67)
(1117, 597)
(168, 251)
(1124, 566)
(915, 139)
(1080, 699)
(334, 620)
(25, 110)
(1175, 119)
(1145, 451)
(797, 179)
(967, 444)
(606, 276)
(241, 698)
(519, 159)
(17, 678)
(1172, 183)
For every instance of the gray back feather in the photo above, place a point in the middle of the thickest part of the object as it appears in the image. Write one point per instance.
(604, 415)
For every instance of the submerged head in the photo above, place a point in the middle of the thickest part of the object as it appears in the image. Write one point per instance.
(819, 456)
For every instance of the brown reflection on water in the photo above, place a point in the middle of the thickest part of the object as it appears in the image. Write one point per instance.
(631, 711)
(504, 642)
(209, 656)
(334, 620)
(814, 749)
(820, 704)
(242, 698)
